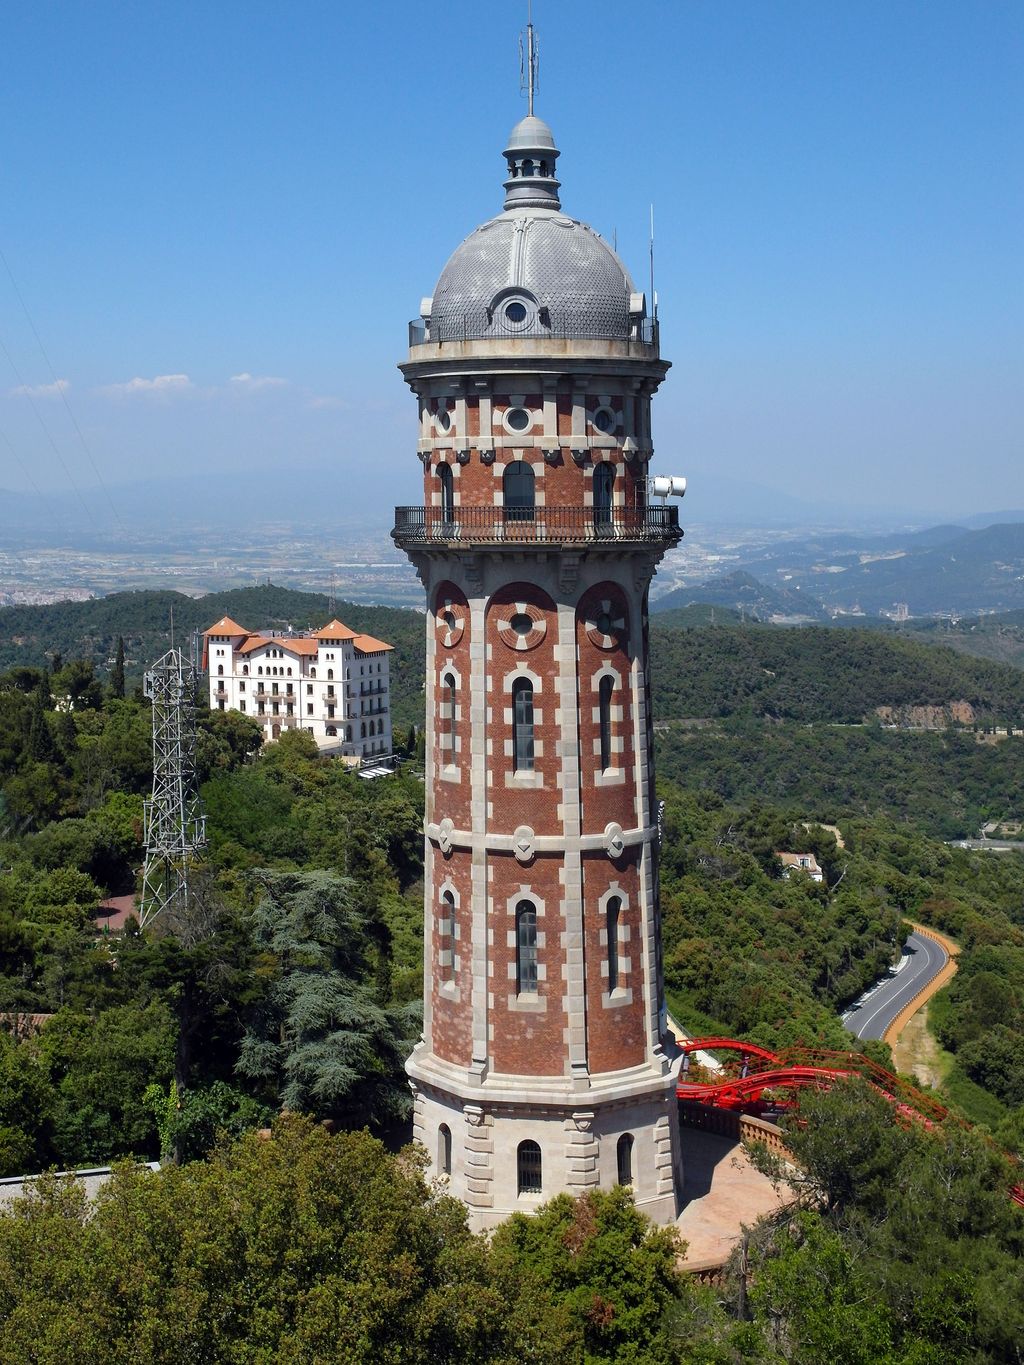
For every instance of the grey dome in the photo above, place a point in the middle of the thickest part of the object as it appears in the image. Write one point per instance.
(569, 281)
(530, 133)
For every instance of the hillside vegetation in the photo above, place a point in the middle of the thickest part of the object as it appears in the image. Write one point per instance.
(813, 673)
(30, 636)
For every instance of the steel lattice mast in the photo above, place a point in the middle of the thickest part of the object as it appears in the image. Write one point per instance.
(174, 822)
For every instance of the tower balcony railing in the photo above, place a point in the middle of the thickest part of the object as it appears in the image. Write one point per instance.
(468, 526)
(479, 326)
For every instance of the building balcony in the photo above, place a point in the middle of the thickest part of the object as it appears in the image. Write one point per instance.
(471, 527)
(285, 698)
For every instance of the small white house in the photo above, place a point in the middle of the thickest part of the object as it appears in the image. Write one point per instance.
(333, 682)
(801, 862)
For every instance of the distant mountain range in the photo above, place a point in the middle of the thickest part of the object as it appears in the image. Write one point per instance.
(938, 571)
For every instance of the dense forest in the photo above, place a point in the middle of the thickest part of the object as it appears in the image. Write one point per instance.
(815, 673)
(292, 983)
(944, 784)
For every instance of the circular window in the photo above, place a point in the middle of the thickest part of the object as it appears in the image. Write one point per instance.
(443, 419)
(518, 419)
(515, 313)
(521, 623)
(605, 420)
(603, 623)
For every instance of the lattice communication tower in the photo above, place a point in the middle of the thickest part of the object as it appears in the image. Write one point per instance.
(174, 822)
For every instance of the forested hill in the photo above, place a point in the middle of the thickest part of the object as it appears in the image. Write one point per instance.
(814, 673)
(89, 630)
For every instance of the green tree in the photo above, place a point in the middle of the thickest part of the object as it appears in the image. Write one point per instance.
(117, 672)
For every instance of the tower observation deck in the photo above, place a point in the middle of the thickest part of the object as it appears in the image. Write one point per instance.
(544, 1064)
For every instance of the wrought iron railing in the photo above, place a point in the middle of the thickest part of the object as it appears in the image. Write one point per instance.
(555, 525)
(478, 327)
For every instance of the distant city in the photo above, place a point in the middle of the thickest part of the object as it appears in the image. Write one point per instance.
(785, 574)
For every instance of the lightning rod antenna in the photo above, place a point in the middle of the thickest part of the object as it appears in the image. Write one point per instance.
(528, 61)
(654, 298)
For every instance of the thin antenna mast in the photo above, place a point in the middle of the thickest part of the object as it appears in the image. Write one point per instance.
(654, 300)
(528, 65)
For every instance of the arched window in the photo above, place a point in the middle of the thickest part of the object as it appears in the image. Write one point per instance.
(604, 692)
(612, 919)
(348, 734)
(517, 487)
(604, 481)
(528, 166)
(444, 475)
(446, 937)
(362, 730)
(526, 948)
(529, 1168)
(522, 725)
(444, 1150)
(624, 1152)
(448, 717)
(332, 730)
(220, 670)
(245, 669)
(289, 673)
(380, 729)
(312, 672)
(260, 670)
(330, 674)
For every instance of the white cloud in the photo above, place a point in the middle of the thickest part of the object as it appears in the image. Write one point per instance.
(160, 386)
(249, 383)
(53, 390)
(325, 401)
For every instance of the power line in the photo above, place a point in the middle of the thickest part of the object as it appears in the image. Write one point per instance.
(60, 389)
(46, 430)
(27, 474)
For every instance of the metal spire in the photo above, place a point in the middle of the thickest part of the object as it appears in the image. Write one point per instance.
(528, 65)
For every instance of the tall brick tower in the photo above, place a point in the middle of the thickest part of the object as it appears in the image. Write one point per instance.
(542, 1066)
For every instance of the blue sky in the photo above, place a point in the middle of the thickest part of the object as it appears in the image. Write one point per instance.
(220, 217)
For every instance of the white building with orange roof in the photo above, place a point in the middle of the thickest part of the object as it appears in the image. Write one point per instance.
(333, 682)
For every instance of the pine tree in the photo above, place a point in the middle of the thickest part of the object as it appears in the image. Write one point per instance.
(117, 673)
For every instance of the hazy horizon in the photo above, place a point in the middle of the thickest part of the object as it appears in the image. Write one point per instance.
(226, 218)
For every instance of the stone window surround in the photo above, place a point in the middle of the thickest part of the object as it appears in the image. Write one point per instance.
(622, 995)
(527, 1003)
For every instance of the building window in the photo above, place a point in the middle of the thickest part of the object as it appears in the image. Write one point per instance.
(241, 706)
(444, 1150)
(220, 704)
(604, 480)
(330, 712)
(518, 491)
(444, 475)
(624, 1152)
(309, 708)
(522, 725)
(241, 687)
(604, 693)
(446, 938)
(612, 913)
(312, 672)
(330, 673)
(220, 670)
(529, 1167)
(330, 689)
(332, 731)
(289, 673)
(245, 669)
(526, 948)
(309, 689)
(448, 684)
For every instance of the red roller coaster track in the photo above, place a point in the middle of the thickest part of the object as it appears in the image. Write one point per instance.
(770, 1081)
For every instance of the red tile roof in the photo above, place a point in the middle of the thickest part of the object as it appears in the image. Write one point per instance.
(334, 630)
(366, 644)
(225, 626)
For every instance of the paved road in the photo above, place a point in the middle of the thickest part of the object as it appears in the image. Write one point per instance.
(873, 1013)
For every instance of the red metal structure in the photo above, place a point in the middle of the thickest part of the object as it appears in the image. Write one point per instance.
(767, 1082)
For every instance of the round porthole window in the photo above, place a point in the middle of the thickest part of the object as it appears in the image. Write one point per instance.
(521, 623)
(515, 312)
(603, 623)
(605, 420)
(443, 419)
(518, 419)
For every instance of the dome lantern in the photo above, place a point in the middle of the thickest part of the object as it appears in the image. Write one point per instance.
(531, 155)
